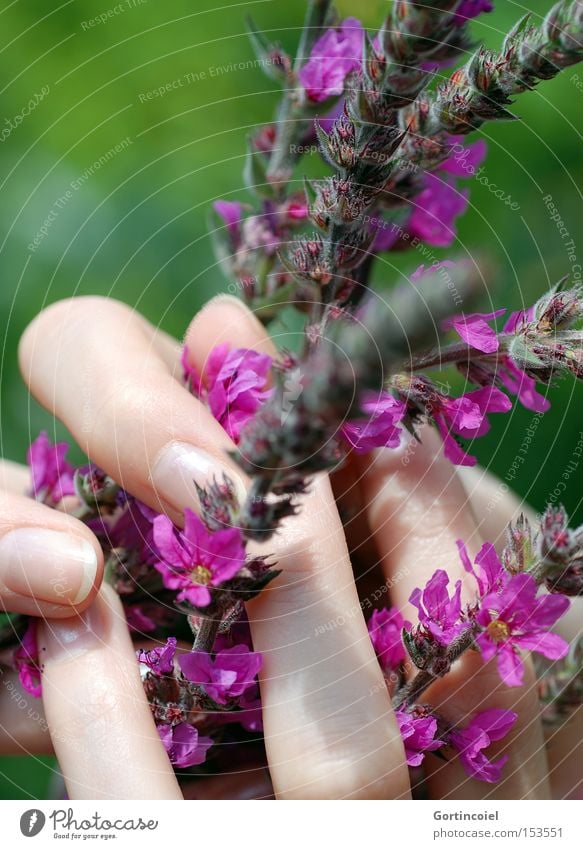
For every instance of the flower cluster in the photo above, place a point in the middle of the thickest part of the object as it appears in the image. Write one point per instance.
(506, 617)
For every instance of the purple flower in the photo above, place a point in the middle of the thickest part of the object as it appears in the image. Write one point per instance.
(475, 330)
(471, 9)
(470, 742)
(438, 613)
(232, 213)
(467, 416)
(464, 159)
(138, 620)
(512, 377)
(52, 475)
(435, 209)
(233, 386)
(132, 529)
(490, 574)
(384, 628)
(195, 559)
(160, 660)
(521, 385)
(420, 271)
(380, 429)
(333, 57)
(184, 746)
(26, 660)
(224, 677)
(418, 733)
(516, 619)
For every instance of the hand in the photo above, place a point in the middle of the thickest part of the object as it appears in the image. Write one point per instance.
(330, 730)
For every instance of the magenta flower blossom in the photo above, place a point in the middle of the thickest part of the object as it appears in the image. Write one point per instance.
(440, 202)
(467, 416)
(464, 158)
(138, 620)
(384, 628)
(232, 214)
(224, 677)
(516, 619)
(512, 377)
(418, 733)
(333, 57)
(435, 210)
(438, 613)
(475, 330)
(234, 385)
(183, 744)
(520, 384)
(26, 660)
(490, 574)
(160, 660)
(471, 9)
(470, 742)
(52, 475)
(194, 560)
(420, 271)
(380, 429)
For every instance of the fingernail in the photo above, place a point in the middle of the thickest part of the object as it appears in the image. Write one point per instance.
(47, 565)
(235, 304)
(64, 639)
(180, 466)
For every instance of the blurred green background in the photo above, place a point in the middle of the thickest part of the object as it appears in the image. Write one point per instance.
(136, 228)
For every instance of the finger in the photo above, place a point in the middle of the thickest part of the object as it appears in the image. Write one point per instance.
(98, 715)
(417, 509)
(330, 731)
(98, 366)
(492, 502)
(50, 563)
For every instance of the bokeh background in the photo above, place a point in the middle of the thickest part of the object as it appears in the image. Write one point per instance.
(136, 228)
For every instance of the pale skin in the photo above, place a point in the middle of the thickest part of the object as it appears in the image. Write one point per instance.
(329, 726)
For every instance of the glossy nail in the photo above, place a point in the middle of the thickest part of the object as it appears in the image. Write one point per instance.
(47, 565)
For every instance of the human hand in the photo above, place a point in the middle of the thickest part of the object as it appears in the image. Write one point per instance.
(330, 729)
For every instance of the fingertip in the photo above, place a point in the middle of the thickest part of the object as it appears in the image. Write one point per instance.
(225, 319)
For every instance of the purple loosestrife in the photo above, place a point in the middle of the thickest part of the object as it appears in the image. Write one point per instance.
(26, 660)
(224, 677)
(333, 57)
(471, 9)
(467, 417)
(184, 745)
(418, 734)
(52, 475)
(515, 618)
(233, 387)
(385, 628)
(160, 660)
(470, 742)
(195, 561)
(438, 202)
(439, 614)
(475, 330)
(380, 429)
(490, 575)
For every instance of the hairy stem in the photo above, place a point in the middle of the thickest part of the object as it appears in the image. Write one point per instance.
(410, 692)
(206, 635)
